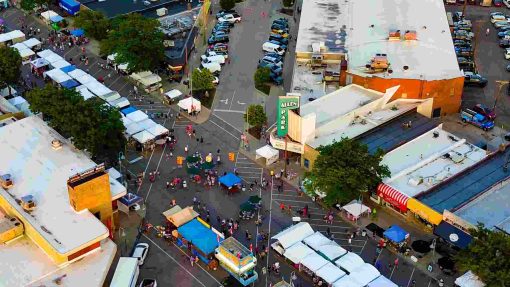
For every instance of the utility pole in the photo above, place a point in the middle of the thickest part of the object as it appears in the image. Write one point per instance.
(498, 92)
(464, 10)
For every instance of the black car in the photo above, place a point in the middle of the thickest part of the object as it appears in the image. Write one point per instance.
(218, 39)
(504, 43)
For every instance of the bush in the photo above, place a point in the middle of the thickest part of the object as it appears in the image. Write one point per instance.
(287, 3)
(227, 4)
(261, 79)
(256, 115)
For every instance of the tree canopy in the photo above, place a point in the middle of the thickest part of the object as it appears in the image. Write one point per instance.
(287, 3)
(256, 115)
(487, 256)
(261, 78)
(202, 80)
(227, 4)
(137, 41)
(10, 66)
(345, 169)
(94, 23)
(92, 125)
(29, 5)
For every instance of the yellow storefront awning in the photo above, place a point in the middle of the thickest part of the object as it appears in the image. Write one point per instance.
(424, 211)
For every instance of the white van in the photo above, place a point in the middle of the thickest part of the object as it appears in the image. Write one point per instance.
(212, 67)
(273, 48)
(126, 273)
(218, 59)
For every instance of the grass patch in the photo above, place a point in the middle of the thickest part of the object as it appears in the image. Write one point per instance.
(263, 88)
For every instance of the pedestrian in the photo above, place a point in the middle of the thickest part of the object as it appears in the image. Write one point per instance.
(396, 263)
(246, 233)
(350, 241)
(487, 32)
(186, 149)
(174, 202)
(167, 185)
(201, 139)
(328, 231)
(83, 50)
(194, 200)
(218, 218)
(191, 260)
(208, 218)
(282, 206)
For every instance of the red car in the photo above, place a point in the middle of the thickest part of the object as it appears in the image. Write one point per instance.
(498, 3)
(485, 111)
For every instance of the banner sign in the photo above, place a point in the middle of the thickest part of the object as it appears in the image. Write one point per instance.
(285, 103)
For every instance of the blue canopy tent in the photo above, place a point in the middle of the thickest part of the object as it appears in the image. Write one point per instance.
(396, 234)
(128, 110)
(453, 235)
(127, 201)
(69, 84)
(70, 6)
(68, 69)
(77, 32)
(229, 180)
(56, 19)
(202, 237)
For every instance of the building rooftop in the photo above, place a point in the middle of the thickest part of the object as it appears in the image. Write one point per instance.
(309, 82)
(491, 208)
(429, 160)
(469, 184)
(39, 170)
(112, 8)
(430, 57)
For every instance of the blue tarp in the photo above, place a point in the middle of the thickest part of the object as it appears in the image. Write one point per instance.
(128, 110)
(453, 235)
(69, 84)
(130, 199)
(396, 234)
(203, 238)
(68, 69)
(56, 19)
(77, 32)
(70, 6)
(230, 180)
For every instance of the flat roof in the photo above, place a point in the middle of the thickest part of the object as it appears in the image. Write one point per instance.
(430, 57)
(429, 160)
(492, 208)
(112, 8)
(39, 170)
(468, 184)
(309, 82)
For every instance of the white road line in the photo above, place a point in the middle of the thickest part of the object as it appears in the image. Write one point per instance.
(411, 278)
(377, 258)
(392, 272)
(223, 129)
(227, 123)
(290, 200)
(430, 281)
(271, 126)
(330, 226)
(177, 262)
(229, 111)
(249, 167)
(364, 245)
(233, 95)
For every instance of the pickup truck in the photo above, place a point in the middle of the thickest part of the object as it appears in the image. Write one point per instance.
(476, 119)
(231, 18)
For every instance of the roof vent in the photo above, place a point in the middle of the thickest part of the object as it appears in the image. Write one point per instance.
(410, 35)
(405, 68)
(28, 203)
(56, 144)
(435, 134)
(6, 181)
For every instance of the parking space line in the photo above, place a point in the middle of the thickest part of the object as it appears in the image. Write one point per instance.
(223, 129)
(411, 278)
(290, 200)
(233, 95)
(226, 123)
(364, 245)
(325, 225)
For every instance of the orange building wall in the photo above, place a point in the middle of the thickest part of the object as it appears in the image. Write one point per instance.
(447, 94)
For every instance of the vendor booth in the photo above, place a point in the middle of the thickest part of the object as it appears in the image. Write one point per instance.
(331, 251)
(176, 216)
(84, 92)
(70, 6)
(396, 235)
(330, 273)
(347, 281)
(290, 236)
(365, 274)
(120, 103)
(267, 152)
(355, 210)
(33, 44)
(129, 202)
(46, 16)
(316, 240)
(143, 137)
(158, 130)
(349, 262)
(237, 260)
(133, 128)
(39, 65)
(12, 37)
(57, 76)
(469, 279)
(230, 181)
(25, 52)
(68, 69)
(382, 281)
(137, 116)
(128, 110)
(60, 64)
(312, 263)
(200, 237)
(69, 84)
(173, 95)
(190, 105)
(297, 252)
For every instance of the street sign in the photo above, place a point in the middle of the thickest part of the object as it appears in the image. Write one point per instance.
(285, 103)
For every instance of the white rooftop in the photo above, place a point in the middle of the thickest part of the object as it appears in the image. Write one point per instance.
(492, 208)
(428, 160)
(431, 56)
(309, 83)
(39, 170)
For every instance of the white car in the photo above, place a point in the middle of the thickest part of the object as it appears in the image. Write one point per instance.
(213, 53)
(229, 18)
(216, 81)
(218, 59)
(141, 250)
(498, 18)
(148, 283)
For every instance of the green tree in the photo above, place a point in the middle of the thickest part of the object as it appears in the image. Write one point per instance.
(29, 5)
(261, 79)
(287, 3)
(487, 256)
(256, 115)
(137, 41)
(227, 4)
(95, 23)
(94, 126)
(202, 80)
(10, 67)
(345, 169)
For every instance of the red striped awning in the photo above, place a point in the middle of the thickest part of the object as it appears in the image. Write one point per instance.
(392, 196)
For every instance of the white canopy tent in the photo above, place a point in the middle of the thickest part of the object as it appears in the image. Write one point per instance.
(293, 234)
(365, 274)
(332, 250)
(330, 273)
(143, 137)
(15, 36)
(57, 75)
(46, 15)
(346, 281)
(158, 130)
(349, 262)
(86, 79)
(53, 58)
(39, 62)
(382, 281)
(356, 209)
(469, 279)
(26, 53)
(97, 88)
(126, 121)
(77, 73)
(109, 97)
(140, 75)
(45, 53)
(190, 104)
(137, 116)
(314, 262)
(133, 128)
(120, 103)
(16, 101)
(316, 240)
(297, 252)
(32, 42)
(173, 94)
(269, 153)
(84, 92)
(60, 64)
(146, 124)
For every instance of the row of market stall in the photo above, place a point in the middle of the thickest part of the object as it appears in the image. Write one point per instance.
(316, 255)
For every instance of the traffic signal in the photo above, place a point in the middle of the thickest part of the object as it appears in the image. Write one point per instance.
(231, 156)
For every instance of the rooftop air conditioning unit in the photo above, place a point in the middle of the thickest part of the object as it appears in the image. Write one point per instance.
(410, 35)
(394, 35)
(6, 181)
(10, 228)
(28, 203)
(316, 48)
(56, 144)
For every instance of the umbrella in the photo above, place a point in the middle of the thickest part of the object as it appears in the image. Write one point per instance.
(207, 165)
(192, 159)
(446, 263)
(254, 199)
(193, 170)
(246, 207)
(421, 246)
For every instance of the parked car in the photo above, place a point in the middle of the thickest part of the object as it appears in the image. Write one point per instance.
(218, 39)
(210, 53)
(500, 24)
(462, 28)
(222, 13)
(276, 26)
(275, 69)
(231, 18)
(222, 47)
(148, 283)
(278, 38)
(214, 59)
(213, 67)
(216, 81)
(503, 34)
(462, 43)
(472, 79)
(497, 3)
(283, 46)
(275, 55)
(485, 111)
(220, 33)
(504, 28)
(476, 119)
(508, 69)
(496, 13)
(277, 79)
(281, 21)
(140, 252)
(507, 53)
(266, 61)
(462, 60)
(221, 28)
(273, 48)
(498, 17)
(283, 33)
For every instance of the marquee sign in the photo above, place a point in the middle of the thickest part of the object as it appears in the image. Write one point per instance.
(285, 103)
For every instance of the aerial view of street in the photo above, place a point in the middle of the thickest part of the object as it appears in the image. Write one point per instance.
(254, 143)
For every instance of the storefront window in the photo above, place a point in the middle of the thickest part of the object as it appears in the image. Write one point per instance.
(307, 163)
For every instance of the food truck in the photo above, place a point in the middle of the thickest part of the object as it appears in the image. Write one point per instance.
(237, 260)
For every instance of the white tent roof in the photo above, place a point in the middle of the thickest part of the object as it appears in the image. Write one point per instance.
(126, 121)
(137, 116)
(332, 250)
(32, 42)
(120, 102)
(314, 262)
(60, 64)
(188, 103)
(330, 273)
(382, 281)
(143, 137)
(267, 151)
(297, 252)
(122, 67)
(133, 128)
(84, 92)
(113, 173)
(53, 58)
(45, 53)
(356, 209)
(39, 62)
(57, 75)
(86, 79)
(150, 80)
(17, 100)
(112, 57)
(26, 53)
(11, 35)
(97, 88)
(48, 14)
(469, 279)
(76, 73)
(349, 262)
(346, 281)
(111, 96)
(365, 274)
(140, 75)
(146, 124)
(316, 240)
(173, 94)
(293, 234)
(20, 46)
(157, 130)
